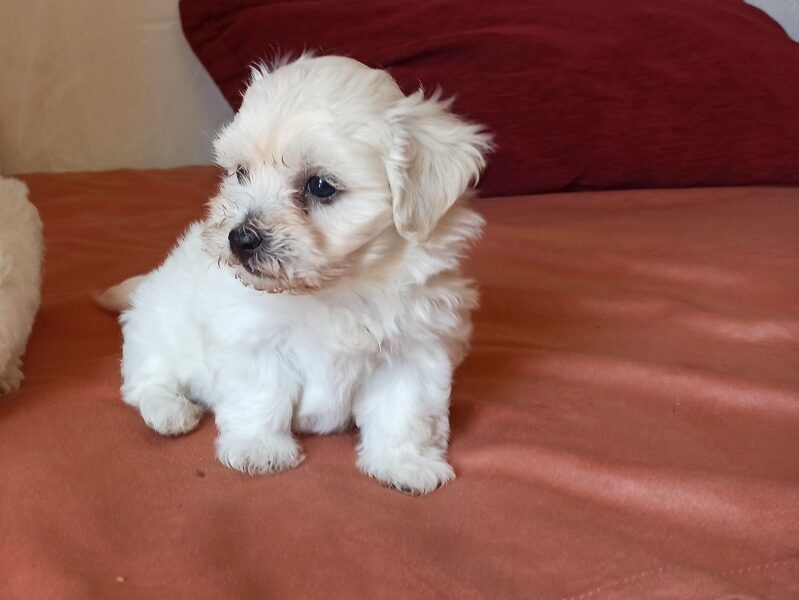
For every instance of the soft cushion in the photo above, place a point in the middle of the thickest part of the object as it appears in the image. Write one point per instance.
(21, 249)
(601, 94)
(625, 427)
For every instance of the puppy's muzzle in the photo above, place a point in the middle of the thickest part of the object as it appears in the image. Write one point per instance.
(245, 242)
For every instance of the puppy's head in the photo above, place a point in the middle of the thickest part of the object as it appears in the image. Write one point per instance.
(331, 170)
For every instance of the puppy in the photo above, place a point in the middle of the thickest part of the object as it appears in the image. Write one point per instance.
(20, 277)
(323, 287)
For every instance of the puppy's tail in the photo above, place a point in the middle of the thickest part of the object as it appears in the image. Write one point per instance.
(117, 298)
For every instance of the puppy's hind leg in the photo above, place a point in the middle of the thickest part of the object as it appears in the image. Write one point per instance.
(162, 404)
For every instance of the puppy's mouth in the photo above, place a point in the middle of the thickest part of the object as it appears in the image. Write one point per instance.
(259, 266)
(266, 264)
(268, 274)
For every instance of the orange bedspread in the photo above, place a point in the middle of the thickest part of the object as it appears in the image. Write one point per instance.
(626, 426)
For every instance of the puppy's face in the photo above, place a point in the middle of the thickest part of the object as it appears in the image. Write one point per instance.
(327, 177)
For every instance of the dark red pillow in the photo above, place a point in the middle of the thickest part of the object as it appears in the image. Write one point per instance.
(600, 94)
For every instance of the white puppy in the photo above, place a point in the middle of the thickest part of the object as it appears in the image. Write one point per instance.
(20, 277)
(324, 285)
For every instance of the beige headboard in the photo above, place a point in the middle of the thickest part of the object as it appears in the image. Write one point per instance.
(99, 84)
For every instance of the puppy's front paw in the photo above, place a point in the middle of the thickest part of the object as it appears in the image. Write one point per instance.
(263, 454)
(10, 379)
(170, 415)
(407, 469)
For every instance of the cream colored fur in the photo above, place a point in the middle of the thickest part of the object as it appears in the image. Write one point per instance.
(20, 277)
(353, 309)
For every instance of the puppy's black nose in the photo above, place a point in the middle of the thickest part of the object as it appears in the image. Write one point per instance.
(244, 241)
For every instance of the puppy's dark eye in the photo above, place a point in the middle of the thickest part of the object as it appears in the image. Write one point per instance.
(242, 174)
(319, 187)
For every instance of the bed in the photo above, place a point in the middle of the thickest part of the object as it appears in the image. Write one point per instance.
(626, 426)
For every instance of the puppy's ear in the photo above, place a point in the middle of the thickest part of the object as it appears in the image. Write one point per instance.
(435, 156)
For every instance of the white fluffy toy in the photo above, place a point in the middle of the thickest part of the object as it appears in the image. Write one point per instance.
(20, 277)
(323, 288)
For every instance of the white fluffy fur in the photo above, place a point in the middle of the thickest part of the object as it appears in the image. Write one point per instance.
(360, 312)
(20, 277)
